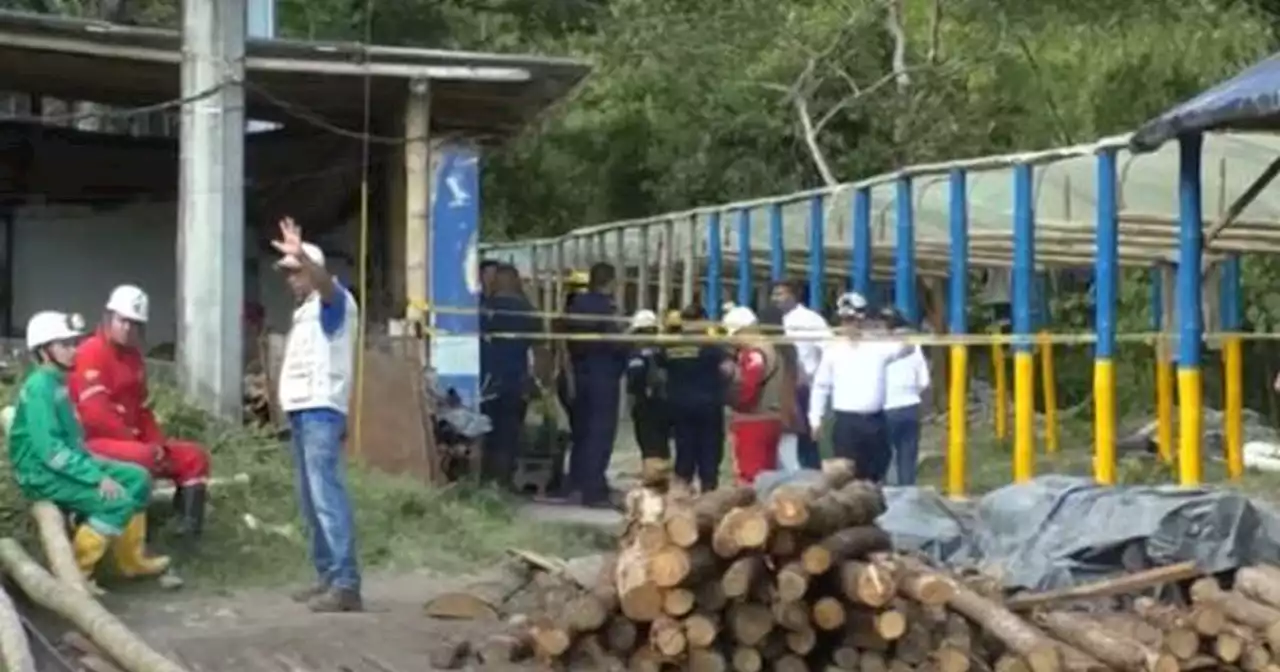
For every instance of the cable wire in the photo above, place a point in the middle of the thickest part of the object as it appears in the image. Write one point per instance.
(363, 269)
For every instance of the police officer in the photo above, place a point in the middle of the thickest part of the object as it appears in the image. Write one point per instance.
(504, 361)
(695, 394)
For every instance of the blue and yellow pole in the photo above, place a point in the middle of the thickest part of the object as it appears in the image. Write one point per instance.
(1164, 366)
(817, 252)
(1106, 273)
(777, 245)
(1232, 367)
(1048, 391)
(1024, 257)
(714, 259)
(1000, 379)
(958, 380)
(904, 266)
(744, 257)
(1190, 319)
(862, 241)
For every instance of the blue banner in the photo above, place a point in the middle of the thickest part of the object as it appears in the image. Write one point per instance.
(455, 272)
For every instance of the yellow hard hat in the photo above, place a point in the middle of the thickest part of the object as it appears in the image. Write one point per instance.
(578, 278)
(673, 319)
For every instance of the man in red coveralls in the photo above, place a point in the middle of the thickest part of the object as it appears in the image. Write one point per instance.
(109, 387)
(756, 398)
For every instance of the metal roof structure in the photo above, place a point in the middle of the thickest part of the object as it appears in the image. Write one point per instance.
(480, 95)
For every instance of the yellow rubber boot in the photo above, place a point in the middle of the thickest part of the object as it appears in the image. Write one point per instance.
(131, 554)
(89, 546)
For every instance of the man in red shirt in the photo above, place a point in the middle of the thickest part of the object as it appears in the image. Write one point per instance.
(756, 399)
(109, 387)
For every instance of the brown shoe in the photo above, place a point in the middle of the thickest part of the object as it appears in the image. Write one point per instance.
(336, 600)
(304, 595)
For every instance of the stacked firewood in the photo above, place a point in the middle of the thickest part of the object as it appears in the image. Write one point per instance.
(803, 580)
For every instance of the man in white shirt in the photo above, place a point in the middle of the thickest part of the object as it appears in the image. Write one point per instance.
(853, 377)
(908, 379)
(799, 321)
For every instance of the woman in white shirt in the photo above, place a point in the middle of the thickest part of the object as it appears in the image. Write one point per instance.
(907, 380)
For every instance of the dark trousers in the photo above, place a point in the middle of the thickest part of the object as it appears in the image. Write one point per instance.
(699, 435)
(595, 426)
(652, 428)
(863, 438)
(506, 412)
(904, 437)
(806, 447)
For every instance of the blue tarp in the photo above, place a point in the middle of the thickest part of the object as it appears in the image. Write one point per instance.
(1248, 101)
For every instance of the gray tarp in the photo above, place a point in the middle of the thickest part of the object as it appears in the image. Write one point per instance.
(1058, 531)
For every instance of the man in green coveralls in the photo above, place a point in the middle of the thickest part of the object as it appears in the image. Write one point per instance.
(49, 460)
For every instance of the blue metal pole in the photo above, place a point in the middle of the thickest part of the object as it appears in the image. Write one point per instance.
(958, 323)
(744, 257)
(862, 241)
(904, 269)
(1229, 294)
(715, 252)
(959, 221)
(817, 252)
(1105, 288)
(777, 245)
(1190, 320)
(1024, 259)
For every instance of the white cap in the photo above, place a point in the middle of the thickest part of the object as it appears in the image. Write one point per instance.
(314, 253)
(851, 304)
(644, 319)
(739, 318)
(129, 302)
(50, 326)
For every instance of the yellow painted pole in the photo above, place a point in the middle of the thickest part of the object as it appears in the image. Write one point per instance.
(1024, 416)
(1104, 390)
(1049, 381)
(1233, 405)
(957, 416)
(1190, 407)
(999, 408)
(1164, 400)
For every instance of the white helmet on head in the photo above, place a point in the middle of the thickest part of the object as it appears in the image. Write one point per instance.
(644, 319)
(50, 326)
(851, 305)
(129, 302)
(739, 318)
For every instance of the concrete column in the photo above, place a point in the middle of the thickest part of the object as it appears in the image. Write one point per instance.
(211, 206)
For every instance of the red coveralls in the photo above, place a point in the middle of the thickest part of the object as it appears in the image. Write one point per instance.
(109, 387)
(755, 424)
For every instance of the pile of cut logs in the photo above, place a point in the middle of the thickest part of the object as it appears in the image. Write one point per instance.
(803, 580)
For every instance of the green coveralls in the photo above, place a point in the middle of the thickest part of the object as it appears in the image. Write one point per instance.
(47, 452)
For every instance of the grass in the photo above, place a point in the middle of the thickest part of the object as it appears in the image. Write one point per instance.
(254, 538)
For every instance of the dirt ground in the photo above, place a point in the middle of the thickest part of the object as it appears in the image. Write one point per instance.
(264, 631)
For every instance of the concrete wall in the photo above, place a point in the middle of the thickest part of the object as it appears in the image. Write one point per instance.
(69, 258)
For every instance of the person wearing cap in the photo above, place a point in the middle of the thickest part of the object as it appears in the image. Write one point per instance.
(756, 399)
(504, 366)
(810, 330)
(315, 390)
(852, 377)
(646, 391)
(50, 461)
(696, 393)
(597, 366)
(109, 387)
(907, 380)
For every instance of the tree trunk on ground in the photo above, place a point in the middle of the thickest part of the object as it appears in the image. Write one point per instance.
(1105, 644)
(57, 546)
(104, 629)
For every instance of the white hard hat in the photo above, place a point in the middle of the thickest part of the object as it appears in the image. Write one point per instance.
(50, 326)
(129, 302)
(851, 304)
(314, 253)
(644, 319)
(739, 318)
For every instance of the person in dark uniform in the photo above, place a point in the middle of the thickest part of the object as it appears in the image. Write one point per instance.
(575, 284)
(504, 364)
(597, 367)
(696, 397)
(646, 390)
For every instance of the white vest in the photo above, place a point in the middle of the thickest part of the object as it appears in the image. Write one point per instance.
(317, 368)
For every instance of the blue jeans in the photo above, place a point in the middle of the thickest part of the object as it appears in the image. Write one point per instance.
(321, 479)
(806, 447)
(904, 437)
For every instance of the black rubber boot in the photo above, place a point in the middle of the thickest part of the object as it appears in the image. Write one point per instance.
(191, 501)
